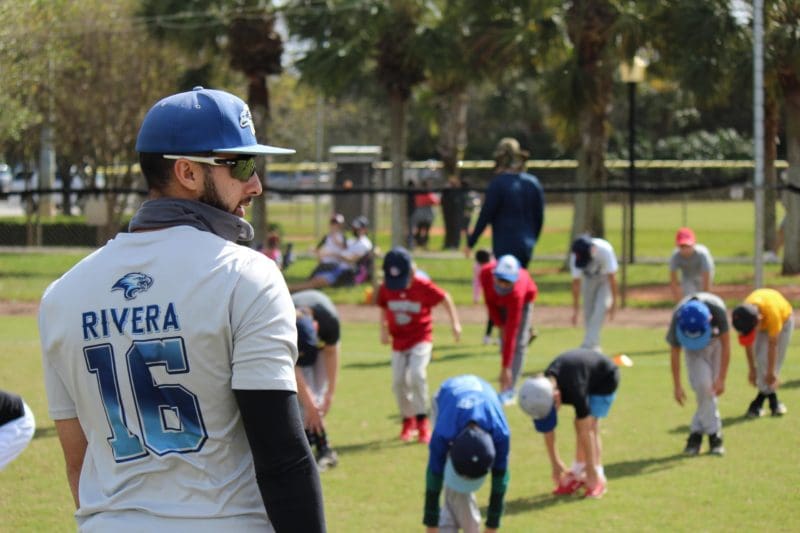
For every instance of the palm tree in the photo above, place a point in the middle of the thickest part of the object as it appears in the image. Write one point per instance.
(349, 42)
(254, 48)
(684, 27)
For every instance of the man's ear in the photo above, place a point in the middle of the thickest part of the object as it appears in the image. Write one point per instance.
(188, 175)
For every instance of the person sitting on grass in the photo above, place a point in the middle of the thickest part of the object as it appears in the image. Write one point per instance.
(350, 266)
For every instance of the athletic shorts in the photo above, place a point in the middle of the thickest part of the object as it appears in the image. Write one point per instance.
(600, 404)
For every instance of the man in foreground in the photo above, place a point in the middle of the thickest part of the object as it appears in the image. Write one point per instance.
(169, 353)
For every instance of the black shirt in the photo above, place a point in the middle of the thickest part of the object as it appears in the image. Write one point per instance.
(10, 407)
(581, 373)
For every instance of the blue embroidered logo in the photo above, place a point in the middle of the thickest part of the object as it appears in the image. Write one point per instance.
(132, 284)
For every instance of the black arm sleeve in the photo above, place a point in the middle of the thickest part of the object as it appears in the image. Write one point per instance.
(286, 473)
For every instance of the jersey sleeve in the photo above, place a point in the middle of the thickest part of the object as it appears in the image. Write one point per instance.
(263, 327)
(672, 338)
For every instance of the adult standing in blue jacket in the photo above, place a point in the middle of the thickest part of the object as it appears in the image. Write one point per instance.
(513, 205)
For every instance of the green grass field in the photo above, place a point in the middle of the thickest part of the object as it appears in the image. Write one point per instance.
(379, 483)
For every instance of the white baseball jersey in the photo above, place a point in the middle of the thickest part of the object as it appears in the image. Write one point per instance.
(143, 342)
(602, 263)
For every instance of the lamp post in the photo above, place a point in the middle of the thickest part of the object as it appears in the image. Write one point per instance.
(631, 74)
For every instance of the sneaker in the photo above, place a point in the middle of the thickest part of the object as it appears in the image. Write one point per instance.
(487, 339)
(779, 410)
(409, 429)
(327, 459)
(770, 257)
(597, 491)
(715, 444)
(424, 427)
(754, 411)
(693, 444)
(568, 486)
(507, 397)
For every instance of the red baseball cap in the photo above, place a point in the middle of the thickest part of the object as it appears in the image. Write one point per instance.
(685, 236)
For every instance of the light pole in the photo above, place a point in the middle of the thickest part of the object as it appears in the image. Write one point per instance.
(631, 74)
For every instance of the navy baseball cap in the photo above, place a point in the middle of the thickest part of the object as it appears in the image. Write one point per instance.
(694, 325)
(745, 320)
(582, 248)
(507, 268)
(201, 121)
(471, 456)
(397, 268)
(307, 342)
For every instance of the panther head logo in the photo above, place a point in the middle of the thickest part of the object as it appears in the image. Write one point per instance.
(132, 284)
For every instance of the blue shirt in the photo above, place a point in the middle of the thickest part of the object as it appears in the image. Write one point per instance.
(461, 400)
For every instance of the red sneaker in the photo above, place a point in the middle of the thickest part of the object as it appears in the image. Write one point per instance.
(409, 429)
(597, 491)
(568, 486)
(424, 428)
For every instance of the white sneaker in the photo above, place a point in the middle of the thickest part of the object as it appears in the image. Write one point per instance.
(770, 257)
(487, 339)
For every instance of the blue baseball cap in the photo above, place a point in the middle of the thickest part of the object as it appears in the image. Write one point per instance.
(547, 423)
(694, 325)
(471, 456)
(397, 268)
(307, 341)
(201, 121)
(507, 268)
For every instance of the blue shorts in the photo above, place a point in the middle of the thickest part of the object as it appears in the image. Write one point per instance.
(599, 405)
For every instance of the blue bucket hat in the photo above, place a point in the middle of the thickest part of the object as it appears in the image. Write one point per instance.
(694, 325)
(201, 121)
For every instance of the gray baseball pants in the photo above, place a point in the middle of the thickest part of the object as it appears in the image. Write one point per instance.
(460, 512)
(521, 347)
(760, 353)
(410, 379)
(596, 294)
(702, 367)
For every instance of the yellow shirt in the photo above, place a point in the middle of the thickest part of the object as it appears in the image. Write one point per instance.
(773, 308)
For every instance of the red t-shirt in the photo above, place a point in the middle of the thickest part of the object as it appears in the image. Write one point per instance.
(425, 198)
(506, 310)
(409, 312)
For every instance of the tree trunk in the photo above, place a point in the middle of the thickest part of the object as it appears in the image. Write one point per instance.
(257, 94)
(591, 171)
(771, 119)
(452, 109)
(791, 238)
(397, 152)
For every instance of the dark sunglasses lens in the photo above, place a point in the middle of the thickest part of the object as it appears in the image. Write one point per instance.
(243, 169)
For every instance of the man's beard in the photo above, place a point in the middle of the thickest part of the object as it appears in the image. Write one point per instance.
(210, 195)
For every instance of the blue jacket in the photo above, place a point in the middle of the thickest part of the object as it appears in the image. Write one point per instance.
(514, 206)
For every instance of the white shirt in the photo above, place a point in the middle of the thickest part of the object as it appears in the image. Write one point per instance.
(357, 248)
(165, 324)
(603, 261)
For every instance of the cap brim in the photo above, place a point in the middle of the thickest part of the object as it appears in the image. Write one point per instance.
(693, 343)
(459, 483)
(747, 339)
(396, 284)
(506, 277)
(548, 423)
(256, 149)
